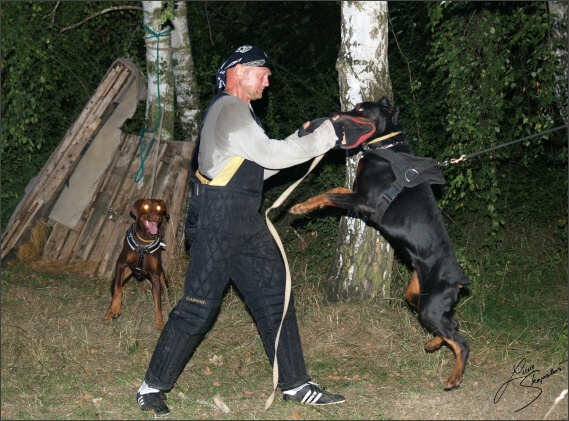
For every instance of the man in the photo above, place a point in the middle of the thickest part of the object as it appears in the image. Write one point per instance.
(229, 239)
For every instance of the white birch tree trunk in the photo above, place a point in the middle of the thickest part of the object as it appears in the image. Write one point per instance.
(184, 76)
(160, 76)
(363, 260)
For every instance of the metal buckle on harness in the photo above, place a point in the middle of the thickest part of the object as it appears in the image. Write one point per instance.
(197, 189)
(410, 174)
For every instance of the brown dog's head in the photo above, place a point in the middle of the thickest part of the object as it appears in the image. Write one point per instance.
(148, 214)
(381, 113)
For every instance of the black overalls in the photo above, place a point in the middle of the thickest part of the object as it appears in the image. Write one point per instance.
(232, 242)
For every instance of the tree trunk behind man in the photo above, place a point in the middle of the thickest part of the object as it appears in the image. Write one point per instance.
(363, 260)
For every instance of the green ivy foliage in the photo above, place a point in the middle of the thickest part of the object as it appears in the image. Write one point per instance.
(467, 75)
(483, 74)
(48, 75)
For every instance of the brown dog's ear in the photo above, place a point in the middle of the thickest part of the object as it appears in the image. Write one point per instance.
(135, 207)
(165, 209)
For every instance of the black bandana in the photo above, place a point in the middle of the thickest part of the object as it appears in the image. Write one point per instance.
(246, 55)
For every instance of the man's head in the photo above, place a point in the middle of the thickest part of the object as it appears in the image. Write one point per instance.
(245, 73)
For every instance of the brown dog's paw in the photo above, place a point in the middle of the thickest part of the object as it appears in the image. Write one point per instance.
(112, 314)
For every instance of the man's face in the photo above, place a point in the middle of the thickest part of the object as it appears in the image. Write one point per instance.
(254, 80)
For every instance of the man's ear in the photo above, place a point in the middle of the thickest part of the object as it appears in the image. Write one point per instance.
(239, 71)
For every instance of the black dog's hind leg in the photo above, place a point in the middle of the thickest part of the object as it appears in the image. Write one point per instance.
(435, 314)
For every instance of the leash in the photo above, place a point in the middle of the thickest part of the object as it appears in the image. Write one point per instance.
(473, 154)
(288, 286)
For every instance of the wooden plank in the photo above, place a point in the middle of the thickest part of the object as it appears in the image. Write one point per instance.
(55, 242)
(102, 208)
(98, 234)
(69, 246)
(51, 179)
(175, 205)
(21, 231)
(107, 248)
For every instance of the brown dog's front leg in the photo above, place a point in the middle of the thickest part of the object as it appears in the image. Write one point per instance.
(122, 273)
(318, 201)
(158, 283)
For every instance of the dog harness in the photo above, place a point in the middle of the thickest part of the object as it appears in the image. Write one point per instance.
(410, 171)
(142, 250)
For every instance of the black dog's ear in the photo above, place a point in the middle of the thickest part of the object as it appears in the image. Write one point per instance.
(395, 115)
(385, 102)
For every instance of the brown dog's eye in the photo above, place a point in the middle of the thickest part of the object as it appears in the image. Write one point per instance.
(158, 207)
(146, 207)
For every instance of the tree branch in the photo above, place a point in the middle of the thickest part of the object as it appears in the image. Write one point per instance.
(110, 9)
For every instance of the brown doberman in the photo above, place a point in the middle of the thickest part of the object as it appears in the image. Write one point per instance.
(141, 255)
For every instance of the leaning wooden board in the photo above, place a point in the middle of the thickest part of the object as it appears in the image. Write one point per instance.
(45, 188)
(99, 238)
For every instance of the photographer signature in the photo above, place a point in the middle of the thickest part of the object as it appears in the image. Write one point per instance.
(529, 377)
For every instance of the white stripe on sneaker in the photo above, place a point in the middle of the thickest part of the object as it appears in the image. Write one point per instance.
(311, 397)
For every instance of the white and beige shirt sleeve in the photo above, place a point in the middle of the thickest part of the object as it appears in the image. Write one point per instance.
(230, 130)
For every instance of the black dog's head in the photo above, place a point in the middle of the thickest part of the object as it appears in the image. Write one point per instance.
(382, 113)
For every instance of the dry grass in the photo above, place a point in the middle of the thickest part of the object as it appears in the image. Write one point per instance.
(31, 250)
(61, 360)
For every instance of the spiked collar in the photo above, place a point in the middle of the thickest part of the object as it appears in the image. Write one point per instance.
(146, 249)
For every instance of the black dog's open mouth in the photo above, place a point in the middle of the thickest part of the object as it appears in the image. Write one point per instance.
(356, 130)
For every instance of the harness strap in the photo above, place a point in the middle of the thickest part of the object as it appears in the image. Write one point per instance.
(151, 248)
(225, 175)
(142, 251)
(410, 171)
(138, 269)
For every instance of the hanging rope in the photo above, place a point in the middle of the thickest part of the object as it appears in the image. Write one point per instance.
(144, 153)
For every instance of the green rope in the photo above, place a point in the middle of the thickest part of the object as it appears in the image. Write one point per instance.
(144, 154)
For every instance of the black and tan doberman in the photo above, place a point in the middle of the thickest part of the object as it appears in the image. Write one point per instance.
(392, 189)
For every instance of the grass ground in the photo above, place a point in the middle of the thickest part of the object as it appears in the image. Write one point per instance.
(61, 360)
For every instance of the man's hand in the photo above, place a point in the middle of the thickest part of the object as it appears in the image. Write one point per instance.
(309, 126)
(350, 131)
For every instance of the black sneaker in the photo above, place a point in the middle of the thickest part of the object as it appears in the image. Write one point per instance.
(310, 394)
(153, 402)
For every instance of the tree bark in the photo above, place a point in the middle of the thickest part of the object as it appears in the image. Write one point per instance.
(160, 75)
(363, 260)
(184, 76)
